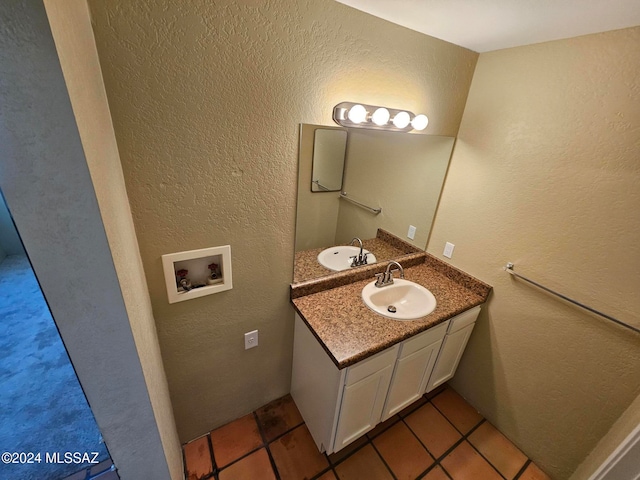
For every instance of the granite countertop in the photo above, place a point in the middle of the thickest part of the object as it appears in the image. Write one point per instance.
(306, 264)
(350, 332)
(385, 246)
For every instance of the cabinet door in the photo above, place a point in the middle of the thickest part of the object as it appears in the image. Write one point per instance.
(449, 357)
(410, 378)
(361, 407)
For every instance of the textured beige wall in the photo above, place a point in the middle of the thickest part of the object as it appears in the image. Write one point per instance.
(206, 99)
(71, 28)
(545, 174)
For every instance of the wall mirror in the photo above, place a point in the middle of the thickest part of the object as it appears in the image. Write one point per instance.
(329, 150)
(401, 174)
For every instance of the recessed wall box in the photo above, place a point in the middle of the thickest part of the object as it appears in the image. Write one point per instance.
(197, 273)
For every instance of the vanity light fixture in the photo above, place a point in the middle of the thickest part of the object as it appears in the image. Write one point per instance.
(401, 120)
(420, 122)
(349, 114)
(381, 116)
(357, 114)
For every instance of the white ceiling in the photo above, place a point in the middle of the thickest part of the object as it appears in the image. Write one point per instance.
(485, 25)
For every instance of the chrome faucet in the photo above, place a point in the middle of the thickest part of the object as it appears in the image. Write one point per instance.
(361, 258)
(386, 278)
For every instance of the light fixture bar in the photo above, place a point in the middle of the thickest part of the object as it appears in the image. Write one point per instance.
(359, 115)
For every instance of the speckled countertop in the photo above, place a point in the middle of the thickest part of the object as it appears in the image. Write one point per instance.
(384, 246)
(307, 266)
(350, 332)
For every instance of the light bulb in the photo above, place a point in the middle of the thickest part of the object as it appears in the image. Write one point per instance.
(420, 122)
(357, 114)
(380, 116)
(401, 120)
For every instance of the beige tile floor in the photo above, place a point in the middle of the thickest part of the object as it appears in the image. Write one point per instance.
(439, 437)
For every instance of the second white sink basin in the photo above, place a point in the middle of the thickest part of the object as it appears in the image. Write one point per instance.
(404, 300)
(339, 258)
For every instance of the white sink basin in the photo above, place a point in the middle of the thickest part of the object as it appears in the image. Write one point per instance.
(410, 300)
(339, 258)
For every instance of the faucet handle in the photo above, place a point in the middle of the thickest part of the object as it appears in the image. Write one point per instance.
(380, 279)
(360, 259)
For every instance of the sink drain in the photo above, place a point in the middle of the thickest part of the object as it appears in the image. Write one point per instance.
(391, 309)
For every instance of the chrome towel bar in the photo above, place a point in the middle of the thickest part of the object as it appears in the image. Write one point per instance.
(509, 269)
(320, 186)
(362, 205)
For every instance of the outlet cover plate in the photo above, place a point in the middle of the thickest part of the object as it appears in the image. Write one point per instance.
(448, 250)
(251, 339)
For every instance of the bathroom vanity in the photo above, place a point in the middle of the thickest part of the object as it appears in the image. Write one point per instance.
(354, 368)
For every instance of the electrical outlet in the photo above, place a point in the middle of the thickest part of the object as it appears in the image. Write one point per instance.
(412, 232)
(250, 339)
(448, 249)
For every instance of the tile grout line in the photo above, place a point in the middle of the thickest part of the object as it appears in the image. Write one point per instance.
(432, 468)
(369, 440)
(523, 469)
(466, 436)
(240, 458)
(278, 437)
(383, 460)
(333, 465)
(401, 418)
(324, 471)
(216, 470)
(438, 392)
(214, 467)
(445, 471)
(437, 460)
(451, 423)
(487, 460)
(473, 430)
(276, 473)
(184, 459)
(484, 420)
(265, 445)
(463, 438)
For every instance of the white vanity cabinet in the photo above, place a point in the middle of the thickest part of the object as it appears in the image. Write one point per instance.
(339, 406)
(413, 367)
(455, 341)
(363, 396)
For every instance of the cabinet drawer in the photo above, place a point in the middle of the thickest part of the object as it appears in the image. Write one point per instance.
(423, 339)
(466, 318)
(371, 365)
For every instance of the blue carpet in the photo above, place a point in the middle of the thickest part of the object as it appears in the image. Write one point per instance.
(42, 407)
